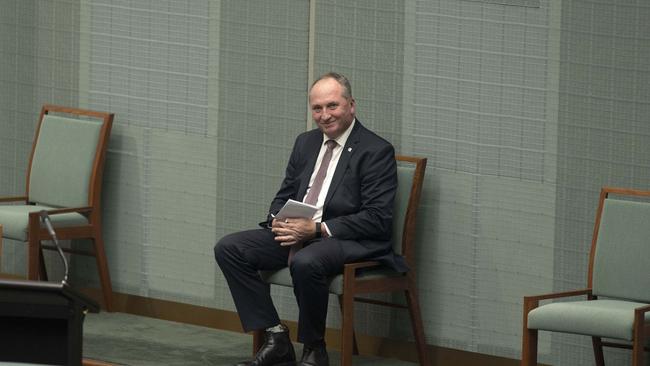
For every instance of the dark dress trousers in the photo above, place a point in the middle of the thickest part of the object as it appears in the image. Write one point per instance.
(358, 211)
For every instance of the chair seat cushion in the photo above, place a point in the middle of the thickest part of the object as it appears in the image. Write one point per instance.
(604, 318)
(14, 220)
(283, 277)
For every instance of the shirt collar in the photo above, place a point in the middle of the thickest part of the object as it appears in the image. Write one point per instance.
(341, 140)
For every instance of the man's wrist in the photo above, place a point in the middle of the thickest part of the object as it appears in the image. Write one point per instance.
(318, 230)
(325, 231)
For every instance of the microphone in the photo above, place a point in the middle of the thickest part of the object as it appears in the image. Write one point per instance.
(45, 218)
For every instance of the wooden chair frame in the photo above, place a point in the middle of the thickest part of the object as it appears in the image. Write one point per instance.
(0, 248)
(353, 286)
(92, 230)
(641, 330)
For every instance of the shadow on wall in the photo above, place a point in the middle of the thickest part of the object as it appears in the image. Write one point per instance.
(123, 215)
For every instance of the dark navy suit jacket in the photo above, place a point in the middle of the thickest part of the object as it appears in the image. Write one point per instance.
(358, 208)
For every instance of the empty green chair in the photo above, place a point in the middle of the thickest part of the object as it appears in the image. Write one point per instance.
(64, 178)
(618, 284)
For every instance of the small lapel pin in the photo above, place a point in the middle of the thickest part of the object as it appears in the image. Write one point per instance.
(349, 149)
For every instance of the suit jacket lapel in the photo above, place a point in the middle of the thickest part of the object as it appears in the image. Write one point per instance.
(346, 154)
(311, 154)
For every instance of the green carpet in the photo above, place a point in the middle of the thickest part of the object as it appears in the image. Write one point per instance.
(126, 339)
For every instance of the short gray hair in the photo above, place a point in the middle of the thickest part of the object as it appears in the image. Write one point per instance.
(341, 79)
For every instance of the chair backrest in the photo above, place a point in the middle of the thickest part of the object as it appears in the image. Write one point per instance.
(410, 176)
(620, 255)
(67, 157)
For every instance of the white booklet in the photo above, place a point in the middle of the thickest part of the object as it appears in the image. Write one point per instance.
(293, 208)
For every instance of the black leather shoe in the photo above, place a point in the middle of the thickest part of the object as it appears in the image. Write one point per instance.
(277, 350)
(314, 356)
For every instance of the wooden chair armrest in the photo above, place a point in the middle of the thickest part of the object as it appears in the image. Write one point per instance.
(531, 302)
(357, 265)
(641, 327)
(555, 295)
(349, 269)
(642, 310)
(13, 199)
(56, 211)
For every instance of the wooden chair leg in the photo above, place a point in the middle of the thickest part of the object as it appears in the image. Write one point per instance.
(347, 327)
(416, 323)
(41, 268)
(528, 336)
(529, 347)
(355, 346)
(33, 248)
(258, 338)
(637, 354)
(102, 267)
(0, 248)
(598, 351)
(639, 339)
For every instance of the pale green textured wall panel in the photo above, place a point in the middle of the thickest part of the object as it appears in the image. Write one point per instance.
(364, 41)
(530, 3)
(516, 225)
(480, 95)
(123, 203)
(480, 90)
(149, 62)
(444, 242)
(182, 213)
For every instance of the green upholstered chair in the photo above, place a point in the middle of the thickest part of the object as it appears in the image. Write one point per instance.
(376, 278)
(618, 284)
(64, 177)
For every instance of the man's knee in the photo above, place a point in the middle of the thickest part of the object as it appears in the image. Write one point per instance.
(224, 248)
(305, 266)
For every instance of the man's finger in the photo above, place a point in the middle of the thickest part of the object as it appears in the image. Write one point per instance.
(285, 238)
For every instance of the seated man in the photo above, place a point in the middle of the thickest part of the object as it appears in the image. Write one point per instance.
(349, 174)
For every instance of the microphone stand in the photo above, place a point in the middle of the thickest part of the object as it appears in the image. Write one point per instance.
(45, 218)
